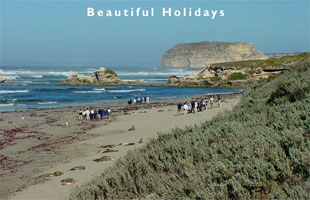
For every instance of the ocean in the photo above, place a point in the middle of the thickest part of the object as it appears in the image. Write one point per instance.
(36, 86)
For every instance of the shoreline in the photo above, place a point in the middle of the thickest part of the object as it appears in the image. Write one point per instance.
(117, 102)
(38, 139)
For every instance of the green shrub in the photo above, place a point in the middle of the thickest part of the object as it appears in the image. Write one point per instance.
(276, 62)
(236, 76)
(108, 71)
(261, 150)
(271, 77)
(215, 78)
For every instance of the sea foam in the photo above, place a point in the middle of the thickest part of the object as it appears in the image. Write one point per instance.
(13, 91)
(99, 89)
(123, 91)
(85, 92)
(7, 104)
(48, 102)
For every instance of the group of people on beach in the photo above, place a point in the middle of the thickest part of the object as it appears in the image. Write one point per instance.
(139, 100)
(197, 105)
(91, 114)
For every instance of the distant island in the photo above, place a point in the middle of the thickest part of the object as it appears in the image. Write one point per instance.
(201, 54)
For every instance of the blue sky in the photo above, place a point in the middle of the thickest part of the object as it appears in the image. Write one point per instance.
(59, 32)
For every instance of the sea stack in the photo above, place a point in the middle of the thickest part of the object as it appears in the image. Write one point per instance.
(102, 76)
(202, 54)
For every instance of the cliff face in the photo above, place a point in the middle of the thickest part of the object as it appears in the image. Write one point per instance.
(204, 53)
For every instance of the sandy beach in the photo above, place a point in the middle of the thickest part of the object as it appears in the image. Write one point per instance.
(38, 142)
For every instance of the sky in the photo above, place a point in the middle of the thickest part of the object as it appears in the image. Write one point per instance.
(59, 33)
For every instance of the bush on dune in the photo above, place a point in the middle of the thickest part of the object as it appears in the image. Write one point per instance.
(260, 150)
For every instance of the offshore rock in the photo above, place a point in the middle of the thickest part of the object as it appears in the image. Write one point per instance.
(102, 76)
(202, 54)
(4, 80)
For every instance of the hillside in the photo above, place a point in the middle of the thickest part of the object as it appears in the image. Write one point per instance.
(270, 62)
(260, 150)
(239, 73)
(203, 53)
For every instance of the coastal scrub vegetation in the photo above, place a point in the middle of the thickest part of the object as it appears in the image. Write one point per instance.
(215, 78)
(260, 150)
(270, 62)
(108, 71)
(237, 76)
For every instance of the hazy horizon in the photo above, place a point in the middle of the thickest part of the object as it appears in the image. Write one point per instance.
(58, 33)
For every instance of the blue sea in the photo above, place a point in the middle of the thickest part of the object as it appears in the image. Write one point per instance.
(35, 86)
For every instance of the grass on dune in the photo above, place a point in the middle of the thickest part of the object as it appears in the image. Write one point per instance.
(270, 62)
(260, 150)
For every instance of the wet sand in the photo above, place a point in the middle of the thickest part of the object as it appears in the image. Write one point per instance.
(37, 142)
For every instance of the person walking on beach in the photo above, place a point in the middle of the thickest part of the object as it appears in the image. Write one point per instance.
(189, 107)
(99, 113)
(87, 113)
(130, 102)
(84, 114)
(202, 105)
(92, 114)
(139, 100)
(179, 108)
(196, 106)
(185, 107)
(108, 113)
(211, 102)
(206, 103)
(95, 114)
(80, 115)
(147, 100)
(219, 100)
(102, 113)
(192, 106)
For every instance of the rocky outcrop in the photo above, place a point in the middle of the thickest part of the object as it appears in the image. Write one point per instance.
(203, 54)
(102, 76)
(212, 71)
(219, 76)
(4, 80)
(177, 81)
(226, 76)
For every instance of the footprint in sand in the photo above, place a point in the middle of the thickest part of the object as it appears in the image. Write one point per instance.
(107, 151)
(67, 181)
(104, 158)
(78, 168)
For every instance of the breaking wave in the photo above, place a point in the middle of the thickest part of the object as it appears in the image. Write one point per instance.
(7, 104)
(86, 92)
(122, 91)
(13, 91)
(49, 102)
(99, 89)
